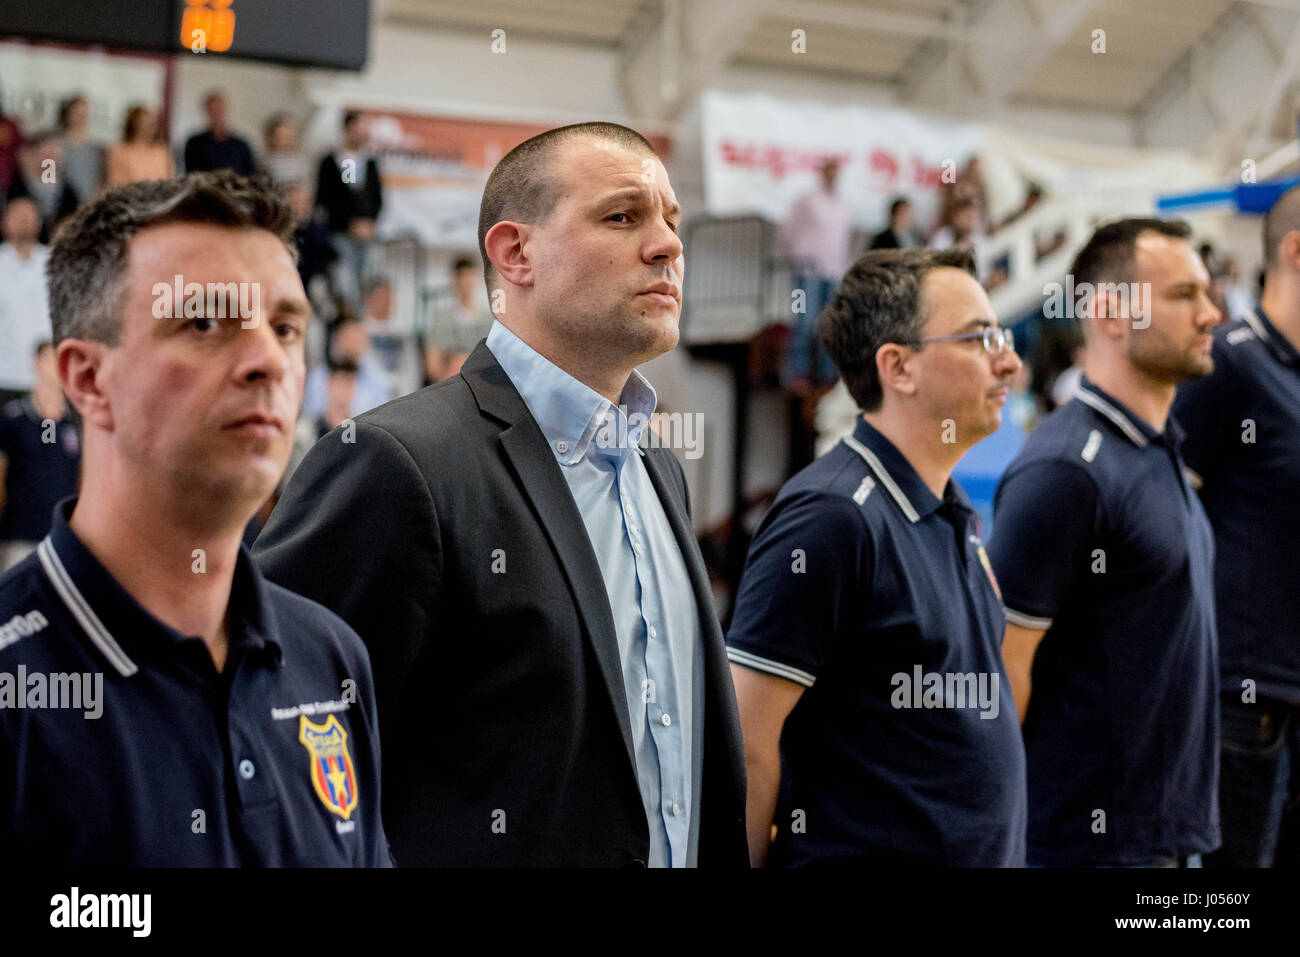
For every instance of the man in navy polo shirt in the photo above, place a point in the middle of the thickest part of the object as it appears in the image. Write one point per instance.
(1105, 558)
(878, 726)
(1243, 443)
(160, 703)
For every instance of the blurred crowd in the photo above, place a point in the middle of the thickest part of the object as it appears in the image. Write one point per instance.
(360, 352)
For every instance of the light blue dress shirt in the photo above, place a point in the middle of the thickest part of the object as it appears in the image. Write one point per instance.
(655, 614)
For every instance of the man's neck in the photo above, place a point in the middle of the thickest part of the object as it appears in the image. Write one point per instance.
(1279, 304)
(22, 248)
(1149, 399)
(591, 369)
(921, 443)
(49, 402)
(176, 563)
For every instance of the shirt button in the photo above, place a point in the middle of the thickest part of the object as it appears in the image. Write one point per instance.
(665, 720)
(653, 632)
(636, 547)
(561, 446)
(246, 770)
(676, 809)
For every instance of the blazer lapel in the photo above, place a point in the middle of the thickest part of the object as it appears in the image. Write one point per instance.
(541, 480)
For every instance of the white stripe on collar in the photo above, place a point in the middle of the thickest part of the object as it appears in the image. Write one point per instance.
(885, 478)
(81, 610)
(1114, 414)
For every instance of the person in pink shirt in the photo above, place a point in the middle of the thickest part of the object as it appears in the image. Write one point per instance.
(816, 239)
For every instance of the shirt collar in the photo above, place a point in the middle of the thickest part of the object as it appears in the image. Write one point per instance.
(1132, 426)
(574, 418)
(119, 626)
(1273, 340)
(899, 478)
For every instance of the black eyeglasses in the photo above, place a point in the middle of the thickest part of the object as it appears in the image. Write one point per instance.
(995, 339)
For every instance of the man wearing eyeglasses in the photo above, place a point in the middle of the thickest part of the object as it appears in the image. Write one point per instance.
(864, 648)
(1105, 558)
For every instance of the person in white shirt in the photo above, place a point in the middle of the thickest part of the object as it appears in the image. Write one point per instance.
(816, 238)
(24, 302)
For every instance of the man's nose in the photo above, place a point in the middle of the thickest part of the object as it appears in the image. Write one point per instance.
(262, 355)
(665, 245)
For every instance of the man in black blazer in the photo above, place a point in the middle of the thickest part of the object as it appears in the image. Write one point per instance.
(552, 683)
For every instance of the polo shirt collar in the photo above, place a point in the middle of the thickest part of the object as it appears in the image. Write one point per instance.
(899, 478)
(118, 626)
(1131, 426)
(574, 418)
(1273, 340)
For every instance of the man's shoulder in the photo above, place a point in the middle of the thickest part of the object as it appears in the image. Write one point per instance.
(1067, 441)
(836, 485)
(310, 632)
(28, 618)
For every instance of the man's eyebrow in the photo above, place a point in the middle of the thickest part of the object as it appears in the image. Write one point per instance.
(978, 323)
(293, 307)
(637, 196)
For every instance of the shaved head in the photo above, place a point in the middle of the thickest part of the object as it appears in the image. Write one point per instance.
(1283, 218)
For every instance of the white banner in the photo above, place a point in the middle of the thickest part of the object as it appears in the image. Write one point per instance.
(761, 154)
(35, 79)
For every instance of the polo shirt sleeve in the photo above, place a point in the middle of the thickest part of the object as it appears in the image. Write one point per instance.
(1202, 409)
(1045, 521)
(808, 567)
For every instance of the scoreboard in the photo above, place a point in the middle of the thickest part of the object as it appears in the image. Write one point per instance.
(319, 33)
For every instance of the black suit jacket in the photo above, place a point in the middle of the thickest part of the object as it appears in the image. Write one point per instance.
(447, 536)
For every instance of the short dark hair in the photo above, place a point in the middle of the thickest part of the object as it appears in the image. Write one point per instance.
(522, 188)
(878, 302)
(87, 265)
(1283, 217)
(343, 367)
(896, 205)
(41, 347)
(350, 117)
(463, 262)
(1109, 255)
(65, 108)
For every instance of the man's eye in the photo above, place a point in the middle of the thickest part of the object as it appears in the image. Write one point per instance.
(203, 324)
(288, 330)
(624, 215)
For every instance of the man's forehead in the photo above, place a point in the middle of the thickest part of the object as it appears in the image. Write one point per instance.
(208, 247)
(952, 297)
(600, 166)
(1158, 256)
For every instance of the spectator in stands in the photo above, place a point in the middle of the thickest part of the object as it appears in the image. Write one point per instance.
(11, 141)
(283, 161)
(898, 234)
(349, 190)
(456, 330)
(142, 154)
(218, 147)
(39, 457)
(24, 307)
(816, 238)
(349, 342)
(41, 179)
(962, 228)
(316, 252)
(394, 344)
(83, 159)
(340, 394)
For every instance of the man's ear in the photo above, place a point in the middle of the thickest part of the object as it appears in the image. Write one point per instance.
(1290, 251)
(894, 366)
(505, 244)
(1109, 317)
(81, 366)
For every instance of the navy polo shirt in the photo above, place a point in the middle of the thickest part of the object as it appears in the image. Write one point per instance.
(1100, 541)
(121, 745)
(876, 596)
(38, 474)
(1243, 443)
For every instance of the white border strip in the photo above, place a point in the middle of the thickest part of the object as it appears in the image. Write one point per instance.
(1112, 413)
(771, 667)
(1026, 621)
(82, 611)
(885, 478)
